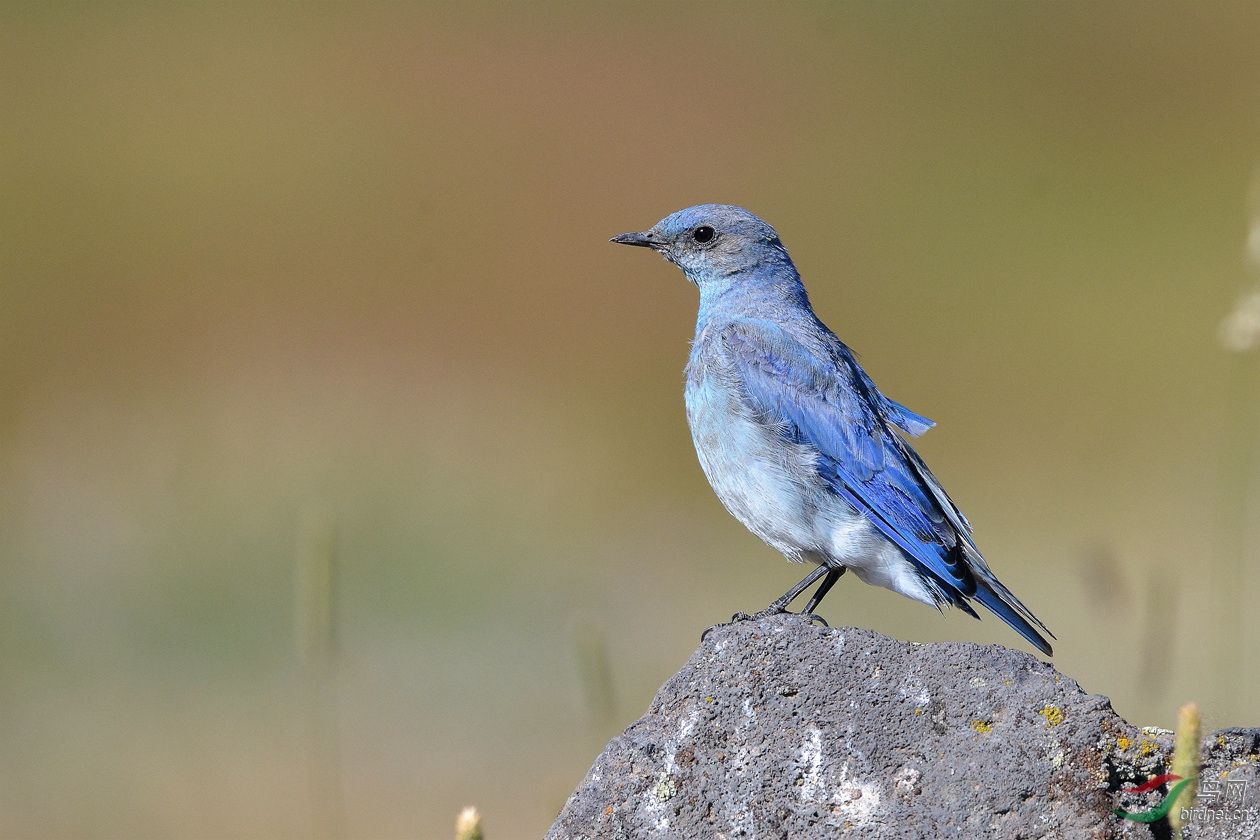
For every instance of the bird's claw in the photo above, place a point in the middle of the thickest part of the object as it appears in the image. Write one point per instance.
(738, 617)
(810, 618)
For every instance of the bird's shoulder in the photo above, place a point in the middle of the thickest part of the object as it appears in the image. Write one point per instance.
(795, 353)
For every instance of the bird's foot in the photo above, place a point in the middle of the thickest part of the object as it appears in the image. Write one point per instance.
(811, 618)
(742, 616)
(774, 609)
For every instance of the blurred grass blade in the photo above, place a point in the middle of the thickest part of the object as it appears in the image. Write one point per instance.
(314, 637)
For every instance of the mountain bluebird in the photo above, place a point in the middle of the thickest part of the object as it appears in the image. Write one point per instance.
(798, 442)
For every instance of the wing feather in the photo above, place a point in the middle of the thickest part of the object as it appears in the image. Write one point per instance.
(822, 397)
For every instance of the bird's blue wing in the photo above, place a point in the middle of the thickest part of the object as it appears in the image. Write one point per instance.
(902, 417)
(824, 402)
(823, 398)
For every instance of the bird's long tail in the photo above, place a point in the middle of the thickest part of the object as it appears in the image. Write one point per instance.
(1002, 603)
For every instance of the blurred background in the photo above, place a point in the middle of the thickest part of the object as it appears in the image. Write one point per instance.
(344, 475)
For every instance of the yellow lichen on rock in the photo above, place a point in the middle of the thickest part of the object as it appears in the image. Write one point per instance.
(1053, 715)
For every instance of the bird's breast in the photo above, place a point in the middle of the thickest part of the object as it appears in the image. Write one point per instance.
(767, 482)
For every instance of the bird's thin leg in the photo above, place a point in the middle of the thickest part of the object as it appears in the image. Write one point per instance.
(829, 581)
(780, 604)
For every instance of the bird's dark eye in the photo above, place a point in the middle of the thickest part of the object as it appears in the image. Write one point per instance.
(703, 234)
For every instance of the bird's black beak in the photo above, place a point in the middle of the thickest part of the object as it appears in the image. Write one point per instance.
(644, 240)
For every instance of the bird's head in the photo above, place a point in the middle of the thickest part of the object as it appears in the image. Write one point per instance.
(711, 242)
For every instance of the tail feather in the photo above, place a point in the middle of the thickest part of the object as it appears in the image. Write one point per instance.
(1010, 610)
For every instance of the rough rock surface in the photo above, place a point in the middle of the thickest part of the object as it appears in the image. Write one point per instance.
(777, 728)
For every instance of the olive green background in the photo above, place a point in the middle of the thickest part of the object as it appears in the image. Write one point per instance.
(344, 477)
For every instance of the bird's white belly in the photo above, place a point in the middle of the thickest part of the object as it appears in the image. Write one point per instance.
(772, 486)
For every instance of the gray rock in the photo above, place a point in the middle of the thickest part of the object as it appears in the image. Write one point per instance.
(777, 728)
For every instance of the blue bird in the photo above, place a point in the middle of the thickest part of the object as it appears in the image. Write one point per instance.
(797, 441)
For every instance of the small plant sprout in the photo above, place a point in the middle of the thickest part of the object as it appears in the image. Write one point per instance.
(1185, 763)
(468, 825)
